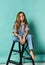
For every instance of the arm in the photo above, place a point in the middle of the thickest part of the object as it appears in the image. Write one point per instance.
(15, 33)
(21, 40)
(24, 37)
(26, 33)
(15, 30)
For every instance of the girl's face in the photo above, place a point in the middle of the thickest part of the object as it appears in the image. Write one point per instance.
(21, 17)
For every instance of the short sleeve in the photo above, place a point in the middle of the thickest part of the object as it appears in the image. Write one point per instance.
(14, 28)
(27, 28)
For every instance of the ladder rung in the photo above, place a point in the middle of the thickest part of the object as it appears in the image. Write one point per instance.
(15, 50)
(27, 58)
(14, 62)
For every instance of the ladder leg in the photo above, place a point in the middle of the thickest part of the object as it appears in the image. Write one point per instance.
(10, 53)
(33, 62)
(20, 54)
(22, 51)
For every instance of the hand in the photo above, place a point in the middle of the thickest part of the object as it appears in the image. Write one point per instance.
(23, 40)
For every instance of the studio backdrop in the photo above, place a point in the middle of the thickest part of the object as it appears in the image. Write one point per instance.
(35, 14)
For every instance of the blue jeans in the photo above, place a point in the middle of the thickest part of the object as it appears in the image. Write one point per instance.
(28, 38)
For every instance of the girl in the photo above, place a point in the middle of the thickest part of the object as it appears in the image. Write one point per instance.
(21, 31)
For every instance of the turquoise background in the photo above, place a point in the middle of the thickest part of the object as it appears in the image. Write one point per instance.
(35, 13)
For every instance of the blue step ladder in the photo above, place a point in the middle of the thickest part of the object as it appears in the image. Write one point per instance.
(20, 53)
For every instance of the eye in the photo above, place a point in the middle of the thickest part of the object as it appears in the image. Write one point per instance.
(20, 16)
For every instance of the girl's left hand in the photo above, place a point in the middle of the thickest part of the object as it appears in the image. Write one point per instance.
(23, 40)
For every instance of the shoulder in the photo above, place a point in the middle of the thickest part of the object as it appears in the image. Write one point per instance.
(26, 25)
(15, 23)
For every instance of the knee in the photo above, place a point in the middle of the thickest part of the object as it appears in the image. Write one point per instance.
(29, 35)
(14, 38)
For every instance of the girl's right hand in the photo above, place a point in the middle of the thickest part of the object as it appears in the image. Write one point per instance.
(21, 40)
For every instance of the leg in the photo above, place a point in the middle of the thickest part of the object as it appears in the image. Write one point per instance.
(29, 40)
(32, 54)
(15, 38)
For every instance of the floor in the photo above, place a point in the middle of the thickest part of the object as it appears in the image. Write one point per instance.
(27, 64)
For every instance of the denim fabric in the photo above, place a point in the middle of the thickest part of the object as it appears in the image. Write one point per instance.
(28, 38)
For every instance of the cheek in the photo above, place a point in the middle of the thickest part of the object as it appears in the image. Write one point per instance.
(22, 18)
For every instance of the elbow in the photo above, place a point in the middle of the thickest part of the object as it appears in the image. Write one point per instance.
(14, 33)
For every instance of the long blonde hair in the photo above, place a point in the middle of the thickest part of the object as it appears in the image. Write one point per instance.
(18, 20)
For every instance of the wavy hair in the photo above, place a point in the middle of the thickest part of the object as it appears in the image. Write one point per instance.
(18, 20)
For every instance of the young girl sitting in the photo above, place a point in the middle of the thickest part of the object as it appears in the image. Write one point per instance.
(21, 32)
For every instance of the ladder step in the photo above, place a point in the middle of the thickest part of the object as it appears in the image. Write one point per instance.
(16, 51)
(29, 58)
(14, 62)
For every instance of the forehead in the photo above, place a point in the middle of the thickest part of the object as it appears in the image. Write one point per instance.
(21, 14)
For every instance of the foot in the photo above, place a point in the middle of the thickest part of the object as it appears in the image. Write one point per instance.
(32, 55)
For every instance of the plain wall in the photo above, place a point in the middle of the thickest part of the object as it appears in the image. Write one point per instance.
(35, 14)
